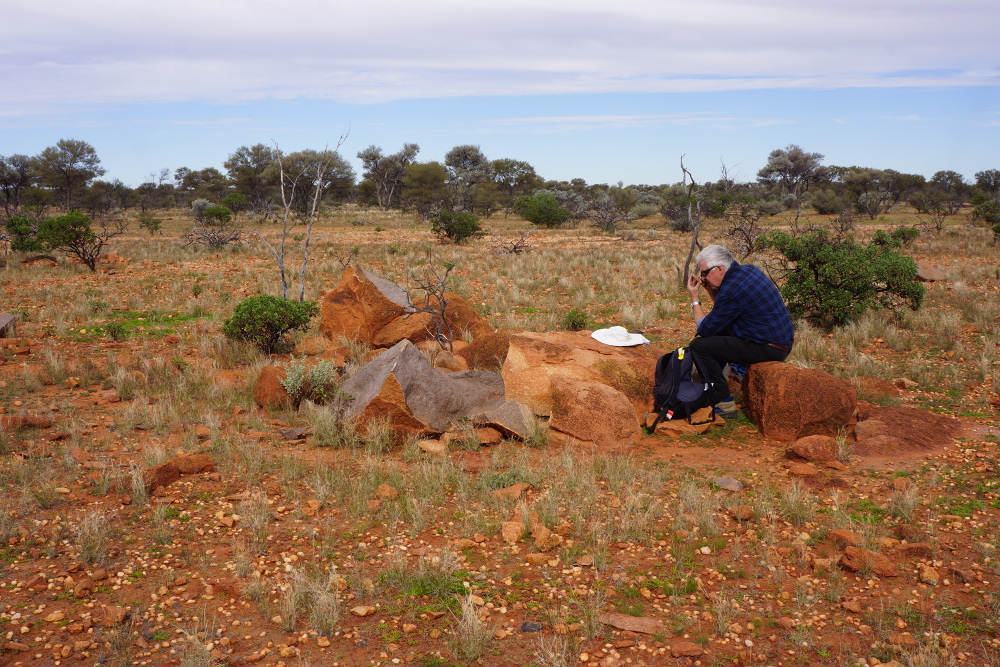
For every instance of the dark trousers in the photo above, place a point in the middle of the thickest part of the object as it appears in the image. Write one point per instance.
(717, 351)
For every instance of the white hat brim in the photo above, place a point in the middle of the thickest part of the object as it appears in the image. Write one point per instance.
(605, 336)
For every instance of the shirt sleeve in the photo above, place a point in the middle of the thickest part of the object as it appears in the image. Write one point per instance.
(727, 309)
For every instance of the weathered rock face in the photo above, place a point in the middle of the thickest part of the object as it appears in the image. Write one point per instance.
(401, 384)
(592, 411)
(510, 419)
(875, 389)
(787, 403)
(463, 317)
(268, 392)
(929, 273)
(368, 308)
(535, 359)
(487, 352)
(813, 448)
(857, 559)
(891, 431)
(162, 475)
(361, 305)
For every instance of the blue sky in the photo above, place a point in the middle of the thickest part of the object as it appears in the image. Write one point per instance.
(597, 90)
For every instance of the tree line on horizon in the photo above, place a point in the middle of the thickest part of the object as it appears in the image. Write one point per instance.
(67, 176)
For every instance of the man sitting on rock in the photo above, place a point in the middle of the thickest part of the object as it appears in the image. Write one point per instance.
(749, 321)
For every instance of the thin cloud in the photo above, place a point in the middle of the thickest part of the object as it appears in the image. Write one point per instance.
(576, 123)
(385, 50)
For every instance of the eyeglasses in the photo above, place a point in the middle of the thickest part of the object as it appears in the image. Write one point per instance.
(708, 271)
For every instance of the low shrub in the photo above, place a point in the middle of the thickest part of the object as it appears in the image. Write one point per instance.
(456, 227)
(21, 231)
(264, 320)
(217, 215)
(542, 209)
(576, 320)
(832, 281)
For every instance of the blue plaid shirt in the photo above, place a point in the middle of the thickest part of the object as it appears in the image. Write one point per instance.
(748, 306)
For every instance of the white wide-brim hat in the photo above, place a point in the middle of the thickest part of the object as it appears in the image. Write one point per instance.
(619, 337)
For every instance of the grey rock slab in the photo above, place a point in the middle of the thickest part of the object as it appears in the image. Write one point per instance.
(511, 419)
(391, 291)
(8, 325)
(728, 483)
(436, 399)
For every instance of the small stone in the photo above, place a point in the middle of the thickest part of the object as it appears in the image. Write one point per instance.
(852, 606)
(55, 617)
(84, 587)
(292, 433)
(728, 483)
(797, 469)
(322, 641)
(512, 492)
(904, 639)
(435, 634)
(685, 649)
(929, 575)
(844, 538)
(821, 564)
(386, 492)
(433, 447)
(511, 531)
(901, 483)
(112, 614)
(585, 560)
(786, 623)
(856, 559)
(409, 627)
(536, 559)
(741, 512)
(363, 610)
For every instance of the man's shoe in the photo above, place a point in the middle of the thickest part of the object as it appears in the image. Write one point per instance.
(727, 409)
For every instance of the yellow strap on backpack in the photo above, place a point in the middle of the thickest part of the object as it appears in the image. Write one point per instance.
(680, 353)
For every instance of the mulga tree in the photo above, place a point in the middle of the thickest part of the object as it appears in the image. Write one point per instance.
(793, 170)
(68, 167)
(386, 172)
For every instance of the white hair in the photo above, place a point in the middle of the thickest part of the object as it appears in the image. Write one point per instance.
(713, 256)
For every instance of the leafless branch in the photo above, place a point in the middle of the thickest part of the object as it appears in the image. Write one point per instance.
(509, 245)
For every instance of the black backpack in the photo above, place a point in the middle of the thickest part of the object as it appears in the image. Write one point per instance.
(676, 393)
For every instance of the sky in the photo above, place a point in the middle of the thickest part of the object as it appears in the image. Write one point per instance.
(605, 91)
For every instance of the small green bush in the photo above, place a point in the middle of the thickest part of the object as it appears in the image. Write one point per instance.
(988, 211)
(318, 383)
(576, 320)
(151, 225)
(828, 202)
(21, 231)
(263, 320)
(217, 215)
(541, 209)
(116, 331)
(904, 235)
(235, 202)
(833, 281)
(456, 227)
